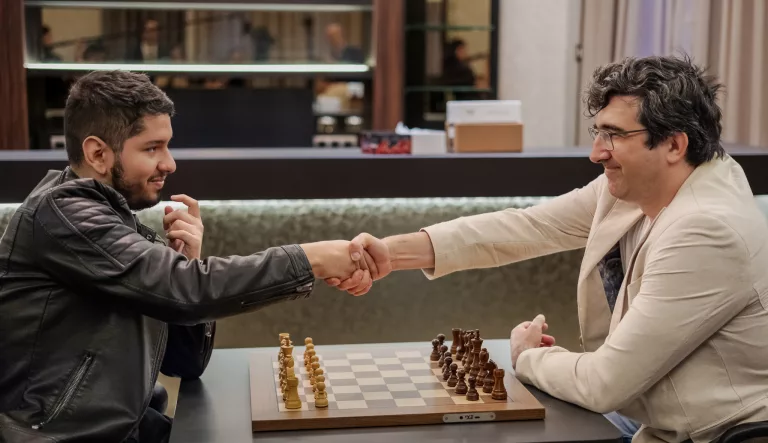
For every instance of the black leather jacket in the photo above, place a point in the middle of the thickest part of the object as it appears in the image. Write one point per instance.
(86, 298)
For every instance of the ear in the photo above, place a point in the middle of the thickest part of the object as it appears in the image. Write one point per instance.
(678, 147)
(98, 155)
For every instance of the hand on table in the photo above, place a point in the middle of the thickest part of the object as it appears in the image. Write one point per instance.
(529, 335)
(374, 256)
(184, 229)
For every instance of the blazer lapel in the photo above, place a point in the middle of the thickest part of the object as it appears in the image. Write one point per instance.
(607, 233)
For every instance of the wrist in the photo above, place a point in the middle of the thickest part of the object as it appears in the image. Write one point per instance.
(312, 252)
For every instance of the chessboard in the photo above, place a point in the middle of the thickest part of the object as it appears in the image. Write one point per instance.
(384, 385)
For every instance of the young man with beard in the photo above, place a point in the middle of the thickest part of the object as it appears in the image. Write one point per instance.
(673, 289)
(94, 304)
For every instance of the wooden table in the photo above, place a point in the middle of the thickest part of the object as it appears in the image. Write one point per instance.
(217, 408)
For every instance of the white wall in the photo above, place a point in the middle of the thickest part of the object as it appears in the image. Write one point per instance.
(537, 65)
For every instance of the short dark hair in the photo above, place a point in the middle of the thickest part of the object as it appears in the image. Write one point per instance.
(110, 105)
(674, 94)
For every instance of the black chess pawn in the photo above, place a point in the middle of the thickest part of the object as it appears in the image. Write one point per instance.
(461, 387)
(443, 353)
(441, 338)
(453, 380)
(435, 355)
(489, 380)
(447, 367)
(472, 394)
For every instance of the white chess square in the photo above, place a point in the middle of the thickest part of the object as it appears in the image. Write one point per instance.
(360, 356)
(434, 393)
(462, 401)
(337, 363)
(346, 389)
(399, 387)
(397, 373)
(370, 381)
(386, 361)
(377, 395)
(424, 379)
(405, 402)
(352, 404)
(365, 368)
(311, 398)
(307, 383)
(340, 376)
(415, 366)
(408, 354)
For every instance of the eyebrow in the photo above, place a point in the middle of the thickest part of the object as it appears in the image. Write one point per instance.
(610, 127)
(156, 142)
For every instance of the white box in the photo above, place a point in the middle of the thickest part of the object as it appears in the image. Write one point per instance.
(483, 111)
(428, 142)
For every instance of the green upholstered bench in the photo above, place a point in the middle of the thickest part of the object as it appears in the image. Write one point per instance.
(402, 307)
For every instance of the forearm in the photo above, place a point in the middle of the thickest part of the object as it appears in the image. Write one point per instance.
(411, 251)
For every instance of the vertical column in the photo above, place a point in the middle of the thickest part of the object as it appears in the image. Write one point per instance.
(388, 19)
(13, 86)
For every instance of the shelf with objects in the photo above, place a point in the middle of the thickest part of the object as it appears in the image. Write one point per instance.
(244, 73)
(451, 53)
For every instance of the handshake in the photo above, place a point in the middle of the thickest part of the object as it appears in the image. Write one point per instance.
(353, 266)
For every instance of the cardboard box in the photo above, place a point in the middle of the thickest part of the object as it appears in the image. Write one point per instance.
(485, 125)
(488, 137)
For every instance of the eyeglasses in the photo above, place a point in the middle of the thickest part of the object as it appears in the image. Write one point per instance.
(607, 136)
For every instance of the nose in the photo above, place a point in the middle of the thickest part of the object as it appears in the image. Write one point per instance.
(599, 152)
(168, 164)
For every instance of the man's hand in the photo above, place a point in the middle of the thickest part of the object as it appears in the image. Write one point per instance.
(529, 335)
(332, 260)
(375, 257)
(184, 229)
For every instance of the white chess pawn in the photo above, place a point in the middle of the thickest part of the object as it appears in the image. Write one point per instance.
(321, 397)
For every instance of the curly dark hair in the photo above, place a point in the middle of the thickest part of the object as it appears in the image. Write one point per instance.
(674, 94)
(110, 105)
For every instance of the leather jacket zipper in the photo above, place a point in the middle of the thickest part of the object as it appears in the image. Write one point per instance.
(305, 284)
(208, 337)
(69, 391)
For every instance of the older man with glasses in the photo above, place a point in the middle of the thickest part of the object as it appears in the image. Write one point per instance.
(673, 288)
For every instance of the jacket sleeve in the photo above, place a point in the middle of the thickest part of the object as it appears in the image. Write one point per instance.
(84, 242)
(695, 281)
(513, 235)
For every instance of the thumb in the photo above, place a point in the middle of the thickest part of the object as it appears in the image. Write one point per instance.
(358, 245)
(538, 321)
(168, 210)
(355, 250)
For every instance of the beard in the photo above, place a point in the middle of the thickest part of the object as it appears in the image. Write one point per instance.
(136, 193)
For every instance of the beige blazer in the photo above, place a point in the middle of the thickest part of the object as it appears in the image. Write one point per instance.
(686, 349)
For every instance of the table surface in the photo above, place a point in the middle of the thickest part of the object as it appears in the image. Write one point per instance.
(216, 408)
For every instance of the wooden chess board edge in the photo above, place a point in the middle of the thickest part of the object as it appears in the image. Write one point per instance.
(381, 420)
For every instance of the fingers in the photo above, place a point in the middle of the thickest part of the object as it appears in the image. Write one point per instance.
(353, 281)
(547, 341)
(371, 265)
(182, 235)
(170, 218)
(364, 286)
(192, 204)
(333, 281)
(183, 225)
(538, 321)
